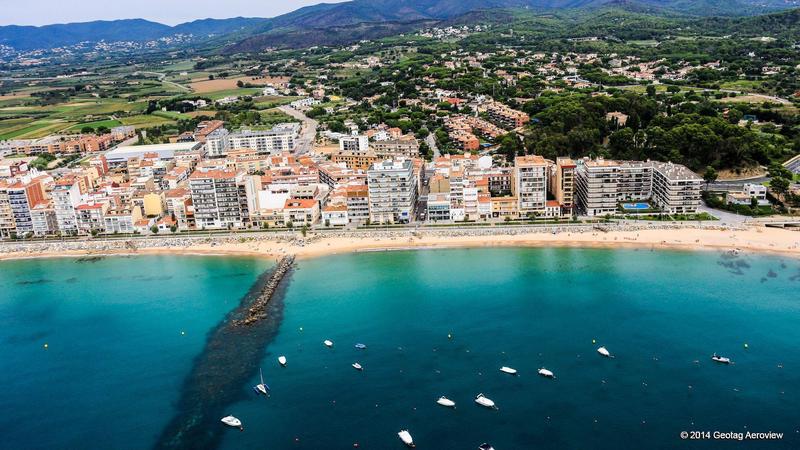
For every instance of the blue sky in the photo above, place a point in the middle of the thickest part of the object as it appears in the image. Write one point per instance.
(171, 12)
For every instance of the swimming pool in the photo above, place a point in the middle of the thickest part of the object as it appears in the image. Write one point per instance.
(635, 206)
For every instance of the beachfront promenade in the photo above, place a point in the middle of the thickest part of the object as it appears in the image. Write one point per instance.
(681, 235)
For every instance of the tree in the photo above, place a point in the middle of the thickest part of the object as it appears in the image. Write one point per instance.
(154, 229)
(651, 90)
(304, 230)
(780, 185)
(240, 84)
(710, 175)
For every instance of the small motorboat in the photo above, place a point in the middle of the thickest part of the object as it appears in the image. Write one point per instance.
(546, 373)
(485, 401)
(508, 370)
(444, 401)
(357, 366)
(282, 360)
(262, 387)
(485, 446)
(405, 436)
(604, 352)
(328, 343)
(720, 359)
(360, 346)
(232, 422)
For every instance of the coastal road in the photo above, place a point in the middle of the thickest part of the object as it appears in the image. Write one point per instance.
(308, 132)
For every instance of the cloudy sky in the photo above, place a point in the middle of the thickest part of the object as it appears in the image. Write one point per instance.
(43, 12)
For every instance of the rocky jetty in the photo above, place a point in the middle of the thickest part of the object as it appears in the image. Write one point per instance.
(258, 309)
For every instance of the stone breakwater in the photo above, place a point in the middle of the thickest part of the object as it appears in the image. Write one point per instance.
(221, 373)
(258, 308)
(112, 245)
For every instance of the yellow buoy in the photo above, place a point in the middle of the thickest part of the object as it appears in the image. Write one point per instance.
(183, 333)
(745, 345)
(301, 328)
(449, 336)
(594, 341)
(45, 345)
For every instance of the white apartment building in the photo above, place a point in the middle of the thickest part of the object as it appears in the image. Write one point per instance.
(530, 184)
(217, 143)
(66, 196)
(358, 144)
(676, 189)
(602, 184)
(392, 191)
(264, 142)
(216, 198)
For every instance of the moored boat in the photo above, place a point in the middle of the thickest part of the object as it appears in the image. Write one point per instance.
(546, 373)
(328, 343)
(444, 401)
(604, 352)
(360, 346)
(508, 370)
(405, 436)
(282, 360)
(232, 422)
(357, 366)
(262, 387)
(720, 359)
(485, 401)
(485, 446)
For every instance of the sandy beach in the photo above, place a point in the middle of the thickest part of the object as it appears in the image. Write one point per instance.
(272, 245)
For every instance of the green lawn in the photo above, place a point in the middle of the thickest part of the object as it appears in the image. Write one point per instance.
(173, 115)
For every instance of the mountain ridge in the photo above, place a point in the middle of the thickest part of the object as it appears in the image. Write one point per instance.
(328, 15)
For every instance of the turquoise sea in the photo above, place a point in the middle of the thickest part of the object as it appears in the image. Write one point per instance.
(114, 369)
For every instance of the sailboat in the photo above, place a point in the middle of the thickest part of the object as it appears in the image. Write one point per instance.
(282, 360)
(262, 387)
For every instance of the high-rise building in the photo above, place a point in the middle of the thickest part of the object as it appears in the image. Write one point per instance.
(392, 191)
(216, 199)
(66, 196)
(602, 184)
(562, 183)
(676, 189)
(530, 184)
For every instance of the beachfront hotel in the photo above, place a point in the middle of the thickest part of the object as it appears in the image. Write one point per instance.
(392, 191)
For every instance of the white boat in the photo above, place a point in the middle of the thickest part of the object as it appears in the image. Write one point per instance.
(262, 387)
(485, 401)
(508, 370)
(357, 366)
(485, 446)
(405, 436)
(328, 343)
(232, 422)
(720, 359)
(604, 352)
(282, 360)
(444, 401)
(546, 373)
